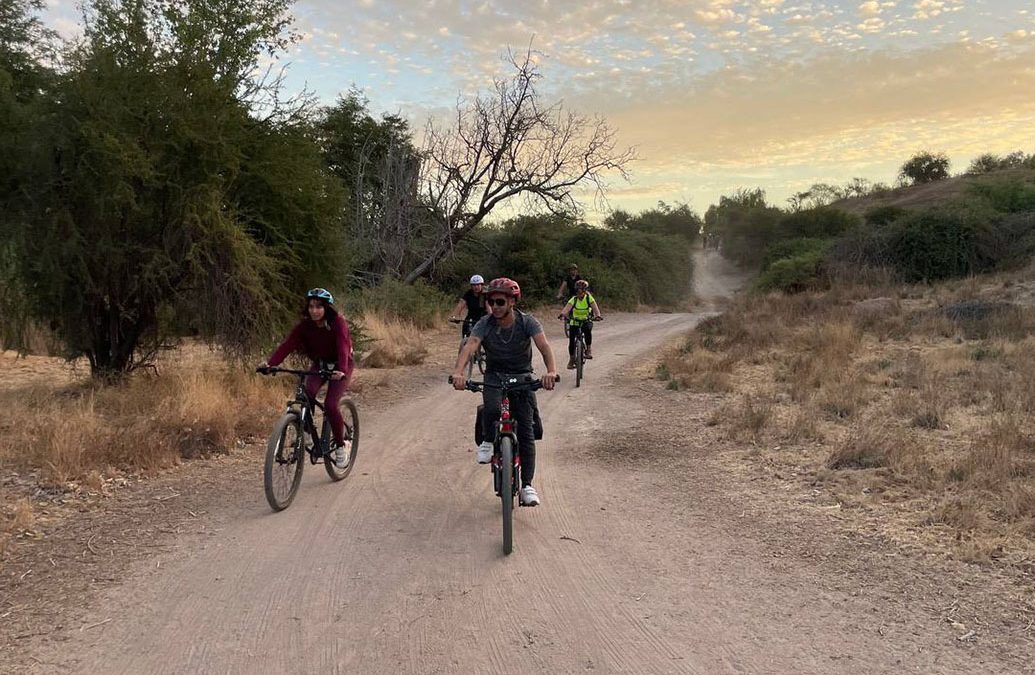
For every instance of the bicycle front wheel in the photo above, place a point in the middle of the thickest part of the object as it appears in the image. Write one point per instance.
(507, 492)
(350, 414)
(480, 358)
(469, 367)
(285, 459)
(580, 360)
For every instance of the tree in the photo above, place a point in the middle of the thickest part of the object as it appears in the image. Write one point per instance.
(510, 144)
(379, 166)
(990, 162)
(744, 223)
(25, 83)
(166, 202)
(925, 167)
(664, 219)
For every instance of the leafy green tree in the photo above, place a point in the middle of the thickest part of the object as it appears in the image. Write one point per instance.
(925, 167)
(745, 224)
(25, 82)
(680, 221)
(989, 162)
(379, 167)
(177, 192)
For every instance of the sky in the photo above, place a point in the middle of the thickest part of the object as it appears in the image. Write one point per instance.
(714, 95)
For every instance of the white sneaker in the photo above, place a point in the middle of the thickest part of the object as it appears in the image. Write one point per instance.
(528, 496)
(485, 452)
(342, 453)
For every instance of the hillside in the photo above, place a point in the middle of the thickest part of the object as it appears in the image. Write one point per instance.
(929, 194)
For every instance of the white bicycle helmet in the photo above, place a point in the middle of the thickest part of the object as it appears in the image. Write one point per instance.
(477, 279)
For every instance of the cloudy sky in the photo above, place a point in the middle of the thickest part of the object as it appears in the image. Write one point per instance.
(714, 94)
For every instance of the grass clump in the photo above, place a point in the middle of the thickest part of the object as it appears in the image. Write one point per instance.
(144, 425)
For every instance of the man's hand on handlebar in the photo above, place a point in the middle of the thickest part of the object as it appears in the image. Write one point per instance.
(549, 380)
(263, 368)
(458, 381)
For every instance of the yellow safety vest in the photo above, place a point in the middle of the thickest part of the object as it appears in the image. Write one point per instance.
(581, 309)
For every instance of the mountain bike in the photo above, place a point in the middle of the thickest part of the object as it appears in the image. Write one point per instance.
(479, 355)
(295, 434)
(573, 324)
(506, 461)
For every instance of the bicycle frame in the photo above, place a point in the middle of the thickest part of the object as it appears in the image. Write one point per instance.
(506, 425)
(303, 405)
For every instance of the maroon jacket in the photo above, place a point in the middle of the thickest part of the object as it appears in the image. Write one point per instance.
(331, 343)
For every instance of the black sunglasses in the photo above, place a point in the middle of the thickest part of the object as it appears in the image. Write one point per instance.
(497, 302)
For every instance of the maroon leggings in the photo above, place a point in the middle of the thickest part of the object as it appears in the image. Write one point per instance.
(335, 390)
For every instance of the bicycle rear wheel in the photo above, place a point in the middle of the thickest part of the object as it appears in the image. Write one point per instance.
(507, 492)
(479, 357)
(285, 459)
(580, 360)
(350, 414)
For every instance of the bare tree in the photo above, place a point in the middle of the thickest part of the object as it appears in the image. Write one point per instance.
(508, 144)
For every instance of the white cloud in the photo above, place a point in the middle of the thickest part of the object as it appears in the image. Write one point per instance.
(871, 8)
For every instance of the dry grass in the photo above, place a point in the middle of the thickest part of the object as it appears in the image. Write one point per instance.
(748, 417)
(149, 423)
(395, 342)
(923, 393)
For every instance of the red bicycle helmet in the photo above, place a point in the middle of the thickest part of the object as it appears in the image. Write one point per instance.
(505, 286)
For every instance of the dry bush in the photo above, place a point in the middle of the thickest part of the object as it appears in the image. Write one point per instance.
(961, 512)
(146, 424)
(394, 342)
(748, 418)
(14, 519)
(926, 403)
(17, 517)
(802, 426)
(1002, 453)
(844, 398)
(700, 370)
(872, 445)
(821, 367)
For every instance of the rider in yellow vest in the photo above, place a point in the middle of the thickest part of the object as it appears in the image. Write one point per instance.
(580, 308)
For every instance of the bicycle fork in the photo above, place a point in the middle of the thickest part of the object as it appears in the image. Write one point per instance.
(505, 428)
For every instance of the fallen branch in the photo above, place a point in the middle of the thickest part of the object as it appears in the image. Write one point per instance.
(567, 538)
(94, 625)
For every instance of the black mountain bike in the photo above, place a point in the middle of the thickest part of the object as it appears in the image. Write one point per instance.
(295, 434)
(479, 355)
(506, 461)
(573, 324)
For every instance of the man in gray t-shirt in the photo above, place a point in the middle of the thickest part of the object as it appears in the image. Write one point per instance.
(507, 335)
(508, 350)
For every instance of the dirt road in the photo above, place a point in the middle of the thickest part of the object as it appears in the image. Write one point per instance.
(399, 569)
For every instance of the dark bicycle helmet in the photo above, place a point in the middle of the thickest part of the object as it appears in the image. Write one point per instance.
(505, 286)
(321, 294)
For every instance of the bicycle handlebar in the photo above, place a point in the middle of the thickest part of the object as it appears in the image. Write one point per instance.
(571, 318)
(273, 370)
(531, 385)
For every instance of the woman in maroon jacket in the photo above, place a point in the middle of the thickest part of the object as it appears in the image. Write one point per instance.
(323, 336)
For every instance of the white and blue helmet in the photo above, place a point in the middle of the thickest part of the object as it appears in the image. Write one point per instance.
(321, 294)
(477, 279)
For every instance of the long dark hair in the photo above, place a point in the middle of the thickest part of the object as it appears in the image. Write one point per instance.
(330, 311)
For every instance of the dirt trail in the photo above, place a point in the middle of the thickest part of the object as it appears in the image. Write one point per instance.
(399, 569)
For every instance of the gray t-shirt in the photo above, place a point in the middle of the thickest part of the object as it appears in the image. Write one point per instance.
(508, 350)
